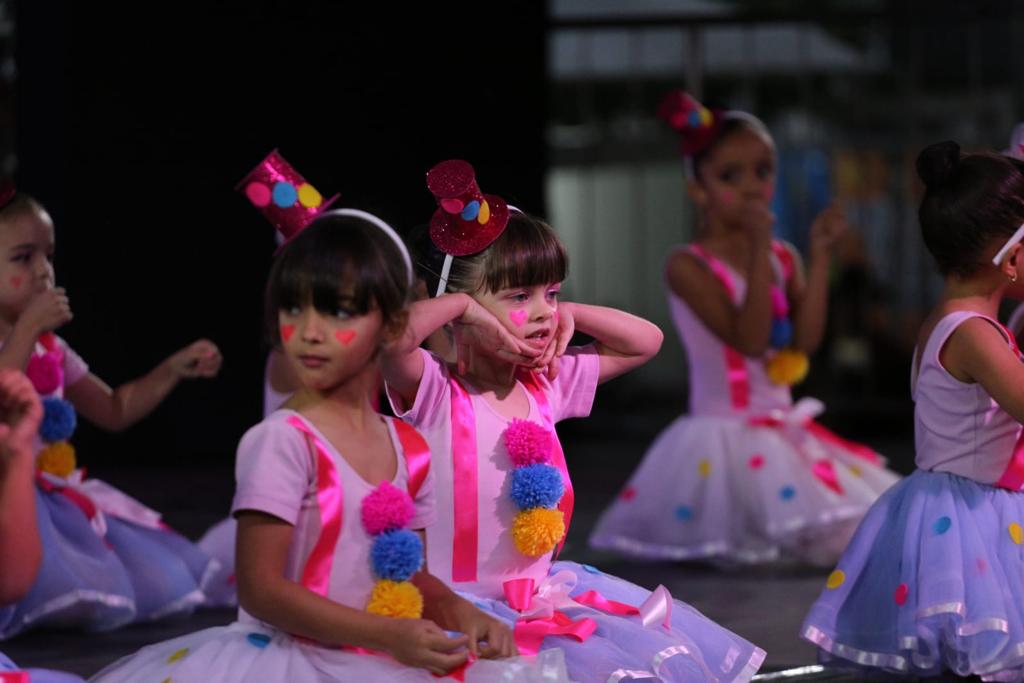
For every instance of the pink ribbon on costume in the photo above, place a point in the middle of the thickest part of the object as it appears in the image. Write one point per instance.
(15, 677)
(735, 364)
(80, 500)
(529, 634)
(1013, 477)
(802, 415)
(317, 572)
(417, 455)
(532, 384)
(464, 466)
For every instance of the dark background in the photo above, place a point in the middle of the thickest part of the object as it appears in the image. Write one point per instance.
(135, 122)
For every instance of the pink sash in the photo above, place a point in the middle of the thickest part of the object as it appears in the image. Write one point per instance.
(464, 466)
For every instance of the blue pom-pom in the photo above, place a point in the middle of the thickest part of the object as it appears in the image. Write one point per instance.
(59, 419)
(397, 555)
(536, 486)
(782, 333)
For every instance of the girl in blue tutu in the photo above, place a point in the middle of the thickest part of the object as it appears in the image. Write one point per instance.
(107, 559)
(933, 579)
(20, 548)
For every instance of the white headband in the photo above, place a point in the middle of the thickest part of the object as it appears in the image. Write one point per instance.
(388, 230)
(1015, 239)
(446, 268)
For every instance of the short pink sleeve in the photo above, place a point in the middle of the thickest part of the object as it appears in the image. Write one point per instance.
(572, 391)
(432, 396)
(74, 367)
(274, 470)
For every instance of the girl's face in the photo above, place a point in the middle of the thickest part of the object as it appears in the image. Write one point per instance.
(529, 313)
(26, 259)
(739, 171)
(328, 350)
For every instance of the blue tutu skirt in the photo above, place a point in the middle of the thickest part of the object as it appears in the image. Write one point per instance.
(933, 579)
(622, 648)
(98, 582)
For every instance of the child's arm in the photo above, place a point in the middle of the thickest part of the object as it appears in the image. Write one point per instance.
(117, 409)
(20, 548)
(746, 328)
(47, 311)
(978, 352)
(624, 341)
(402, 363)
(809, 296)
(263, 591)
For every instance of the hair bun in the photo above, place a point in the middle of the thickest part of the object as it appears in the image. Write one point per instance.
(937, 163)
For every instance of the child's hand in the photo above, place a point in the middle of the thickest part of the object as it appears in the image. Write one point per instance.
(422, 643)
(483, 629)
(548, 363)
(47, 311)
(828, 227)
(199, 359)
(478, 328)
(20, 414)
(758, 220)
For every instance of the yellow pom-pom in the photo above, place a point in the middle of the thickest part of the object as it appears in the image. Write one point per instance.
(57, 459)
(398, 599)
(537, 531)
(788, 367)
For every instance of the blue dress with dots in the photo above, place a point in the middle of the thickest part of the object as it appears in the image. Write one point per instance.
(933, 579)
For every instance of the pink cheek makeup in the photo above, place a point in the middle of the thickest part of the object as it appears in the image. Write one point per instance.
(345, 336)
(727, 196)
(16, 282)
(517, 317)
(286, 332)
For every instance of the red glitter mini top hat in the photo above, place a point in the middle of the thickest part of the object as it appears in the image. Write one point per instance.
(696, 124)
(283, 195)
(466, 221)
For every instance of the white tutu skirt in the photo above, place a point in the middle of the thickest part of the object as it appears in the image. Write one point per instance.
(242, 653)
(731, 489)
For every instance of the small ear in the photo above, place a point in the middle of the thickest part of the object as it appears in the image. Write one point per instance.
(697, 192)
(1014, 259)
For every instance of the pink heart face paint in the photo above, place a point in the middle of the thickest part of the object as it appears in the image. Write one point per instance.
(518, 317)
(727, 197)
(345, 336)
(286, 332)
(16, 282)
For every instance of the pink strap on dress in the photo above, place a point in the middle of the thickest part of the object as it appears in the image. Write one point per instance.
(464, 465)
(317, 572)
(735, 363)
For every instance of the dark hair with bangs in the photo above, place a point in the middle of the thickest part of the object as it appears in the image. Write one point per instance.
(338, 261)
(527, 253)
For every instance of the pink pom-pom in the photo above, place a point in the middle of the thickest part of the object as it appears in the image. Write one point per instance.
(528, 443)
(386, 508)
(46, 372)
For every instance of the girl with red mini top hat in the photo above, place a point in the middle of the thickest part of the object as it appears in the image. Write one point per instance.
(504, 495)
(332, 498)
(747, 476)
(107, 559)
